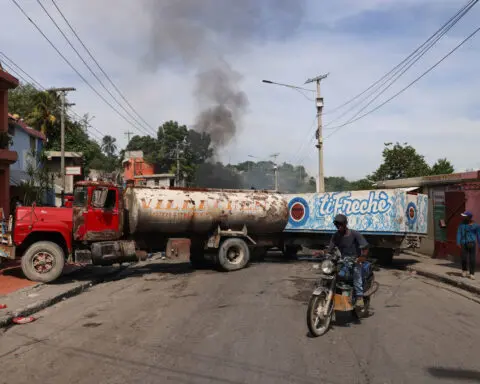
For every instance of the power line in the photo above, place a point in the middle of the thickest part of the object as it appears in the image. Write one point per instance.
(409, 85)
(470, 4)
(38, 85)
(392, 76)
(88, 67)
(12, 63)
(399, 73)
(98, 65)
(73, 68)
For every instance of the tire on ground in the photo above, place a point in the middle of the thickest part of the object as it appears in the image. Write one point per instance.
(233, 254)
(52, 249)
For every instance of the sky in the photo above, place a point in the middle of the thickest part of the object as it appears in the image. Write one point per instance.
(355, 41)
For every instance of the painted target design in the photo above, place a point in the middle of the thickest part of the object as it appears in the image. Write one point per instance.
(411, 213)
(298, 212)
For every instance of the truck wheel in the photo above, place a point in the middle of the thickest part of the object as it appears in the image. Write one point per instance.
(43, 261)
(233, 254)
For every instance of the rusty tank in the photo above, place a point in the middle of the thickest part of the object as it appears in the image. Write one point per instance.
(200, 211)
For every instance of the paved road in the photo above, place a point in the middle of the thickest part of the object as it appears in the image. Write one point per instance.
(169, 324)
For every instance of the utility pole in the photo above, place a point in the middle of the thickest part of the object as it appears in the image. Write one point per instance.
(129, 134)
(177, 156)
(319, 135)
(62, 91)
(275, 168)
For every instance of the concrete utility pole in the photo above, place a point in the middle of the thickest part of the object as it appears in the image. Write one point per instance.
(177, 156)
(129, 134)
(275, 169)
(319, 106)
(62, 91)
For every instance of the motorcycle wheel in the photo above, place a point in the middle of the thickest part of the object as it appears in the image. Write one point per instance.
(317, 324)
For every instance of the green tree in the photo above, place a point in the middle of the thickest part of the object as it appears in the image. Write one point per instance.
(109, 146)
(399, 162)
(362, 185)
(336, 184)
(41, 110)
(442, 167)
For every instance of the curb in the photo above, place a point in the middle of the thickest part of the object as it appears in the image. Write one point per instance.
(445, 279)
(7, 320)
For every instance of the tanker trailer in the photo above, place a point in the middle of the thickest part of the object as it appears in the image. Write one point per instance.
(226, 226)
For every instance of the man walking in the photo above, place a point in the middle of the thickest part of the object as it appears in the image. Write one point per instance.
(468, 234)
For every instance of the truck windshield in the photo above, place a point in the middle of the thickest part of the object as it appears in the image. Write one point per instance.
(80, 197)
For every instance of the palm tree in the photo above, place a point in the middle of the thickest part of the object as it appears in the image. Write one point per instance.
(109, 146)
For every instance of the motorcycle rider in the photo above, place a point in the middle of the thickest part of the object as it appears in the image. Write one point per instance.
(350, 243)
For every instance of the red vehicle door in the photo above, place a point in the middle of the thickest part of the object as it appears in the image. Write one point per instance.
(103, 216)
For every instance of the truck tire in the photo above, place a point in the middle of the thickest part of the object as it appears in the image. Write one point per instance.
(43, 261)
(233, 255)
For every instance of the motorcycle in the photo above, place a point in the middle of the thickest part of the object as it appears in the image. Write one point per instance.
(334, 292)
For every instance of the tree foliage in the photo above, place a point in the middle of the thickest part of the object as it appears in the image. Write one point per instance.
(400, 162)
(442, 167)
(41, 110)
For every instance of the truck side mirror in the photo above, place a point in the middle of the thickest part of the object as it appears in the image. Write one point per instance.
(99, 197)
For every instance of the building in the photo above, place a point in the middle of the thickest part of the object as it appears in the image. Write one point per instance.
(73, 171)
(28, 143)
(7, 156)
(449, 196)
(137, 171)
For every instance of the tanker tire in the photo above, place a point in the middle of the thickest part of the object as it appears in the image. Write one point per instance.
(229, 246)
(48, 250)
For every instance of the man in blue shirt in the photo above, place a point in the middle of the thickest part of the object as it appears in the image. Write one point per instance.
(468, 234)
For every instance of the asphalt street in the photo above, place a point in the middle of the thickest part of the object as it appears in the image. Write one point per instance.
(165, 323)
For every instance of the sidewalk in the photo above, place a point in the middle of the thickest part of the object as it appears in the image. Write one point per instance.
(442, 270)
(24, 298)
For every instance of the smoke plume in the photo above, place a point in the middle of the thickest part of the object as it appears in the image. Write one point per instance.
(200, 34)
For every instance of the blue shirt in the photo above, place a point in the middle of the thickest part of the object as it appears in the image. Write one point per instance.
(468, 233)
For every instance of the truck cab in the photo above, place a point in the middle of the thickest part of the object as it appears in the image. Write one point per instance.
(97, 212)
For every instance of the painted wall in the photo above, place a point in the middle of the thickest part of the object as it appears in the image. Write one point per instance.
(22, 144)
(376, 211)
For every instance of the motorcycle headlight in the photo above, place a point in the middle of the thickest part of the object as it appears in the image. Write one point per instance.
(327, 267)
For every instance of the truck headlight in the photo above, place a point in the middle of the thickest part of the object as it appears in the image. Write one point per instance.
(327, 267)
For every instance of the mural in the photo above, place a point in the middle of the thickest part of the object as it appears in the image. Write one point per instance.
(379, 211)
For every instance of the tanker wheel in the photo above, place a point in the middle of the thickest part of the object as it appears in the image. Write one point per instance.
(43, 261)
(233, 254)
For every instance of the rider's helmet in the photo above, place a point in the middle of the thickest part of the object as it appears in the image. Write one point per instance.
(340, 220)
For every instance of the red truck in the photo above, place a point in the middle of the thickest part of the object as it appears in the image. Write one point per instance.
(109, 225)
(42, 237)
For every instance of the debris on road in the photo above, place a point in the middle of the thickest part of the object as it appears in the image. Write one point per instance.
(3, 306)
(23, 320)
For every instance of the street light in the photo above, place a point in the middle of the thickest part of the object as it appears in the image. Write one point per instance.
(287, 85)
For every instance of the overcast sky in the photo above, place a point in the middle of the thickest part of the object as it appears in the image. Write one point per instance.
(356, 41)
